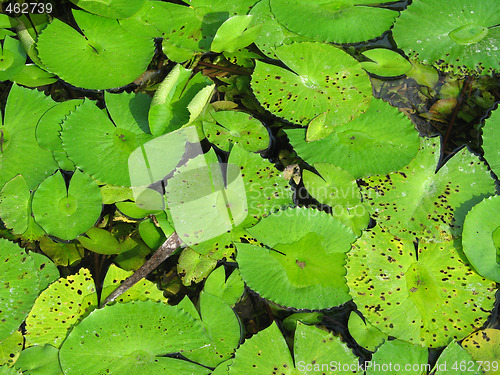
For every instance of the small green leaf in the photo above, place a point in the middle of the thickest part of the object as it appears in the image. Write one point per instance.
(364, 333)
(10, 348)
(99, 241)
(62, 254)
(458, 357)
(385, 63)
(194, 267)
(32, 76)
(233, 34)
(67, 213)
(394, 355)
(12, 58)
(39, 360)
(229, 290)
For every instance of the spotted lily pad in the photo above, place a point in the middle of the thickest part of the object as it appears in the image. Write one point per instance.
(315, 351)
(19, 150)
(453, 359)
(460, 36)
(338, 189)
(322, 78)
(304, 259)
(379, 141)
(20, 286)
(481, 238)
(417, 202)
(236, 127)
(10, 348)
(491, 139)
(101, 147)
(67, 213)
(484, 347)
(416, 295)
(92, 60)
(364, 333)
(133, 337)
(59, 307)
(342, 21)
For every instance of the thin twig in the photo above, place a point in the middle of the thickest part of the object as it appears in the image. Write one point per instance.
(163, 252)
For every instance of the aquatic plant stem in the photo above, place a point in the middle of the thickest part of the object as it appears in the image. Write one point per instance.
(159, 256)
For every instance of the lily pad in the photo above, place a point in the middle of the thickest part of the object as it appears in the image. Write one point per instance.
(430, 205)
(230, 290)
(453, 359)
(110, 8)
(10, 348)
(39, 360)
(321, 78)
(364, 333)
(59, 307)
(416, 295)
(67, 213)
(99, 241)
(304, 259)
(338, 189)
(15, 209)
(91, 60)
(100, 147)
(133, 337)
(32, 76)
(484, 347)
(12, 58)
(19, 151)
(379, 141)
(272, 33)
(20, 286)
(315, 351)
(491, 139)
(461, 37)
(342, 21)
(236, 127)
(194, 267)
(235, 34)
(395, 357)
(481, 238)
(385, 63)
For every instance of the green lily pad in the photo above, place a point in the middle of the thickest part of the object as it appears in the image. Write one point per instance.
(15, 209)
(338, 189)
(322, 78)
(315, 351)
(20, 283)
(453, 359)
(32, 76)
(395, 357)
(39, 360)
(416, 295)
(481, 238)
(484, 347)
(230, 290)
(141, 291)
(100, 147)
(59, 307)
(233, 34)
(222, 326)
(364, 333)
(152, 235)
(62, 254)
(99, 241)
(12, 58)
(379, 141)
(46, 269)
(67, 213)
(19, 151)
(194, 267)
(272, 33)
(6, 370)
(491, 139)
(304, 259)
(385, 63)
(110, 8)
(430, 205)
(133, 337)
(10, 348)
(236, 127)
(92, 60)
(461, 37)
(341, 21)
